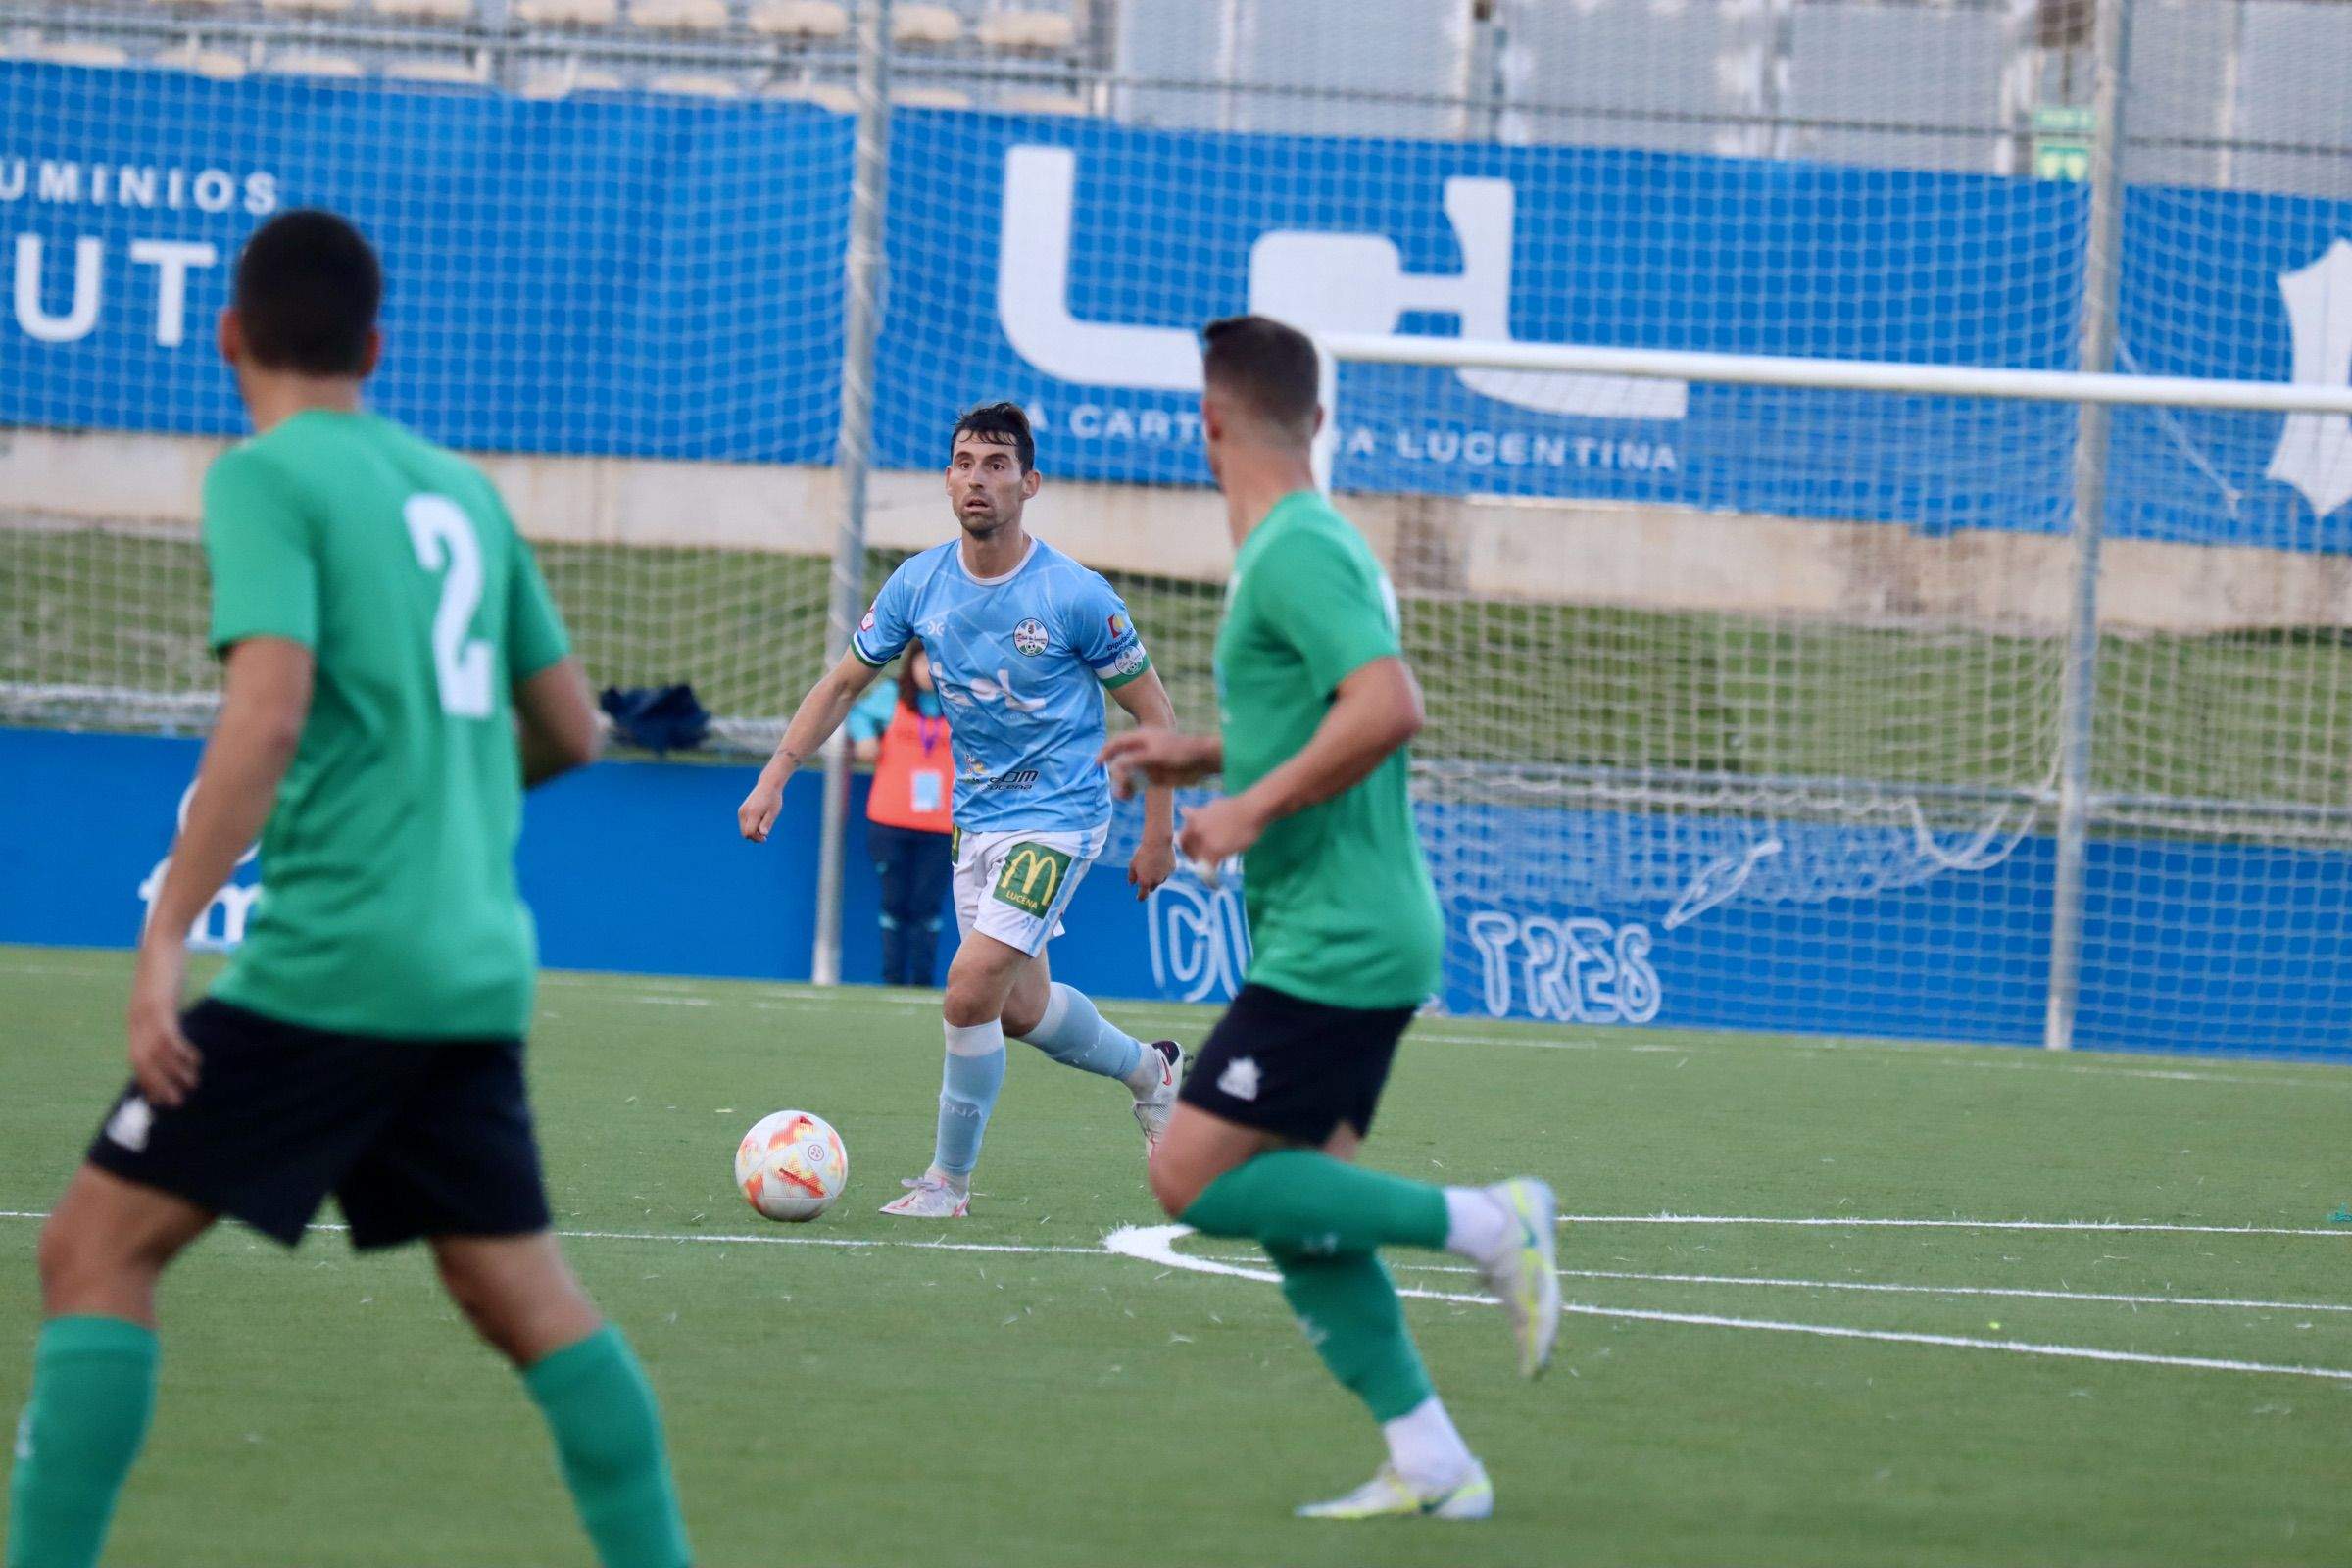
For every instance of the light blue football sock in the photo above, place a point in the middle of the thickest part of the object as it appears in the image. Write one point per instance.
(967, 1092)
(1076, 1034)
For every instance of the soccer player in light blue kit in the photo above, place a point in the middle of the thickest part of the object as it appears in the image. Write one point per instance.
(1023, 642)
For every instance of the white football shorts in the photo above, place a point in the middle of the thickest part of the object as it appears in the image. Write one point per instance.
(1014, 886)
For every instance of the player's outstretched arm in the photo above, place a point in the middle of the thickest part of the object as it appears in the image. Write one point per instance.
(1154, 861)
(1161, 756)
(264, 699)
(1375, 711)
(814, 722)
(555, 722)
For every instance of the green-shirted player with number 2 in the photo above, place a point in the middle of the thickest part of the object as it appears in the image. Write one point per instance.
(1315, 708)
(394, 674)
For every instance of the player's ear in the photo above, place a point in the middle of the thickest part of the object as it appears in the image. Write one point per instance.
(374, 354)
(229, 336)
(1029, 483)
(1321, 414)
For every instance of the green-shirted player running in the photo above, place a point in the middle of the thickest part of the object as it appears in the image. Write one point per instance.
(1316, 705)
(394, 674)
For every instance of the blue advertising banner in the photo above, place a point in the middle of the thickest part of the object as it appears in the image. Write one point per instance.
(637, 867)
(606, 277)
(659, 278)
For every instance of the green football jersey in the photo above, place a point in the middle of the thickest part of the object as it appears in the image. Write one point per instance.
(388, 904)
(1339, 903)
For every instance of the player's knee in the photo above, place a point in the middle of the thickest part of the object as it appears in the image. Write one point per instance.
(469, 1289)
(82, 1264)
(60, 1256)
(1022, 1016)
(967, 1004)
(494, 1312)
(1174, 1187)
(522, 1312)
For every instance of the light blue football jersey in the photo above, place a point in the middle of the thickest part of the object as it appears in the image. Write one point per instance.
(1021, 662)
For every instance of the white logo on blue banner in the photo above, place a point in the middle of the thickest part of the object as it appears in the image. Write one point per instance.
(2314, 450)
(1320, 282)
(222, 925)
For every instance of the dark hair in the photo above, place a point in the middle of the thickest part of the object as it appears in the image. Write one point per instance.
(1273, 368)
(1004, 424)
(307, 291)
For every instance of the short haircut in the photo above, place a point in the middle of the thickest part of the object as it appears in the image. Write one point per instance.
(306, 296)
(1270, 366)
(1003, 423)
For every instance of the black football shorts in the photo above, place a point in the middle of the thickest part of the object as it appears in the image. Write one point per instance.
(415, 1138)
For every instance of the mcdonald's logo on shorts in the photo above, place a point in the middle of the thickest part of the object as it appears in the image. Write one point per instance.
(1032, 875)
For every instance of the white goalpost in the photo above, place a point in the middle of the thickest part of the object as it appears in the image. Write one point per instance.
(1946, 827)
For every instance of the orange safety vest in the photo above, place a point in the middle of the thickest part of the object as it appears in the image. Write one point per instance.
(915, 776)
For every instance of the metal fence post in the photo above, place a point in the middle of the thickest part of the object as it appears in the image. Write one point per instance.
(863, 269)
(2079, 697)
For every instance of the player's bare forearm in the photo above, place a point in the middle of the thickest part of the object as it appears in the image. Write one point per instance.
(265, 700)
(1161, 757)
(265, 697)
(555, 722)
(1373, 715)
(822, 711)
(1147, 698)
(814, 722)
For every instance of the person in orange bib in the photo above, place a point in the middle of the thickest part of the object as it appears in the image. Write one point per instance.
(908, 830)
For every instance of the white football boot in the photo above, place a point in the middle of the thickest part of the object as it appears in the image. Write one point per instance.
(930, 1198)
(1155, 1105)
(1389, 1496)
(1524, 1275)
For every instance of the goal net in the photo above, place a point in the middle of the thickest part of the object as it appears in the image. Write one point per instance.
(1745, 699)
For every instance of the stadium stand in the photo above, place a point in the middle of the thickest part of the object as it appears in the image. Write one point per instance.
(798, 19)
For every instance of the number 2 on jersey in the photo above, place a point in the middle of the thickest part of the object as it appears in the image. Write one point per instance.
(445, 543)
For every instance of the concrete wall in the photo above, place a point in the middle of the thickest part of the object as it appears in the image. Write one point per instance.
(1657, 557)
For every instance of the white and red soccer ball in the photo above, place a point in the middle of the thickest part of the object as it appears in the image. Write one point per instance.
(790, 1165)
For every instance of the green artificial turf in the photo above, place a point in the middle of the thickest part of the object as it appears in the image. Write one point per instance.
(1050, 1403)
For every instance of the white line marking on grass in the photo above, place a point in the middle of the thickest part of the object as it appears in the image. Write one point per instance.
(753, 1238)
(1156, 1244)
(850, 1242)
(1913, 1289)
(2340, 1233)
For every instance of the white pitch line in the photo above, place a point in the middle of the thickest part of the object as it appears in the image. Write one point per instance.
(848, 1242)
(2340, 1233)
(731, 1238)
(2018, 1292)
(1156, 1244)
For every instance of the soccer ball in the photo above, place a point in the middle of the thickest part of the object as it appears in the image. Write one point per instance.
(790, 1165)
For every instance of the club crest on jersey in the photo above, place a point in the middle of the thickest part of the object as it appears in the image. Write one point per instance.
(130, 1124)
(1239, 1080)
(1029, 637)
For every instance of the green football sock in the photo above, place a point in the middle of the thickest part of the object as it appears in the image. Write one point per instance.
(1313, 1204)
(609, 1437)
(1349, 1310)
(93, 1389)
